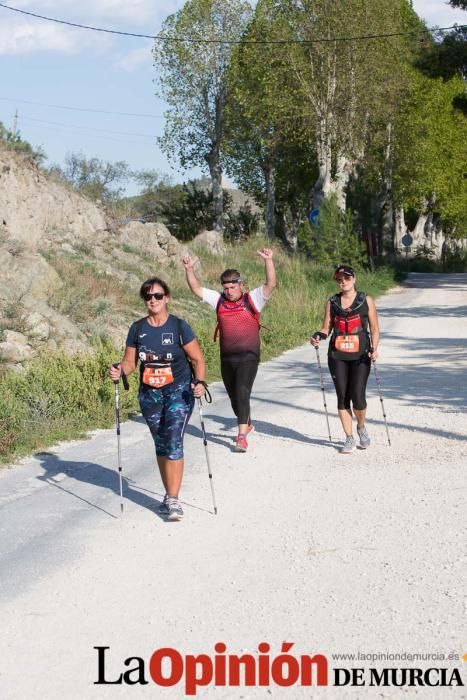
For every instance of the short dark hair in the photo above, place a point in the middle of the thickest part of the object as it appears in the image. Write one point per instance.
(146, 286)
(233, 274)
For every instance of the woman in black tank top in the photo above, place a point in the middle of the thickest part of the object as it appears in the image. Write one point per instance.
(351, 320)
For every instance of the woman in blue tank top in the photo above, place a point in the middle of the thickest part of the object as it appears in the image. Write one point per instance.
(166, 348)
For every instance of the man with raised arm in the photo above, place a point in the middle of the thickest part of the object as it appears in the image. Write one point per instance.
(238, 322)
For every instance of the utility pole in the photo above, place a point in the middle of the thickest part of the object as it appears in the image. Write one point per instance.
(15, 124)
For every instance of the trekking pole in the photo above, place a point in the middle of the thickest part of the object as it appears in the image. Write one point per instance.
(205, 442)
(322, 389)
(378, 382)
(117, 417)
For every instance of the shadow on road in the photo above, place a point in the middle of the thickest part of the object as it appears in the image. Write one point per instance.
(95, 474)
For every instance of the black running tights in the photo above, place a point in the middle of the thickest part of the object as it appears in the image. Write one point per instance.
(238, 376)
(350, 379)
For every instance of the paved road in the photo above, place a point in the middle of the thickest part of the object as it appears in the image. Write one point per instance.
(338, 554)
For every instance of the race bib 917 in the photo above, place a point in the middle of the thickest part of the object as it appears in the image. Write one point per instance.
(157, 377)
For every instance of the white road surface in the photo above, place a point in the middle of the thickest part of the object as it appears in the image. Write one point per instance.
(338, 554)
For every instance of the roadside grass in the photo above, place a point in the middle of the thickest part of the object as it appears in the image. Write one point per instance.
(60, 397)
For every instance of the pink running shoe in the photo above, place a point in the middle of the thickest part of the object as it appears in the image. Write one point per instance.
(241, 444)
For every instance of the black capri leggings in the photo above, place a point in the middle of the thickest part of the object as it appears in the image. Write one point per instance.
(350, 378)
(238, 375)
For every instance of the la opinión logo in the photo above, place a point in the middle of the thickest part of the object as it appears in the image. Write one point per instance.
(167, 667)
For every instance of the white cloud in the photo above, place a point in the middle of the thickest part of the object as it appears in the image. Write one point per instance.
(25, 38)
(134, 59)
(20, 34)
(439, 13)
(133, 12)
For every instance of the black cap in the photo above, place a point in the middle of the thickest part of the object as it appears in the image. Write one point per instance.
(344, 270)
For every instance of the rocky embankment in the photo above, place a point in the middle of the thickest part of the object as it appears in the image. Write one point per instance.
(57, 247)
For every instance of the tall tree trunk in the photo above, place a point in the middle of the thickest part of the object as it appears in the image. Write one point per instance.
(400, 228)
(322, 186)
(386, 231)
(269, 171)
(344, 169)
(289, 220)
(215, 170)
(418, 234)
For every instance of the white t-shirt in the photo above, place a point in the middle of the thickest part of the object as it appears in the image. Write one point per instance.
(211, 297)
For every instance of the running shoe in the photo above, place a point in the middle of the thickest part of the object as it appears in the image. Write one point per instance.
(364, 437)
(249, 429)
(349, 445)
(241, 444)
(163, 508)
(174, 508)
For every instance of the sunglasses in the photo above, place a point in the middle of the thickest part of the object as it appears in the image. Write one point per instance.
(156, 295)
(345, 278)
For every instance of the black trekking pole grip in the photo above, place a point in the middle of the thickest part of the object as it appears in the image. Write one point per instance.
(123, 376)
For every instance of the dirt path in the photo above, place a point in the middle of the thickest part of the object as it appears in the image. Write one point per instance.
(338, 554)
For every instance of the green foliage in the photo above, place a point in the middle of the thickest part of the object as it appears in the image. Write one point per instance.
(15, 142)
(331, 240)
(190, 212)
(57, 397)
(240, 224)
(191, 76)
(188, 209)
(455, 259)
(94, 178)
(431, 151)
(446, 59)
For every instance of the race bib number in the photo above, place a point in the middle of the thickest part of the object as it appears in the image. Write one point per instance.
(347, 343)
(157, 377)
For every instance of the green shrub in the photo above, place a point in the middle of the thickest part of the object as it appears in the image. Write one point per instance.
(331, 239)
(56, 398)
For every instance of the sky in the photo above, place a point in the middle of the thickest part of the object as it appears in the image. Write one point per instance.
(47, 67)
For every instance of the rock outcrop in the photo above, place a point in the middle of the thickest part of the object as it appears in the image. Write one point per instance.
(57, 247)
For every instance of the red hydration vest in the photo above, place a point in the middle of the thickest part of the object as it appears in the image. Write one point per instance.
(350, 339)
(238, 324)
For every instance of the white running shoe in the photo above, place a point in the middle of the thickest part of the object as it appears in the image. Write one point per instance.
(163, 508)
(349, 445)
(174, 508)
(364, 437)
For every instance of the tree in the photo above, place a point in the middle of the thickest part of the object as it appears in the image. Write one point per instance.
(192, 79)
(94, 178)
(349, 89)
(430, 156)
(331, 239)
(260, 113)
(447, 57)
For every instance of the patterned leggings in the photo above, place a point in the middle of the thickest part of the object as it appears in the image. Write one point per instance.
(167, 412)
